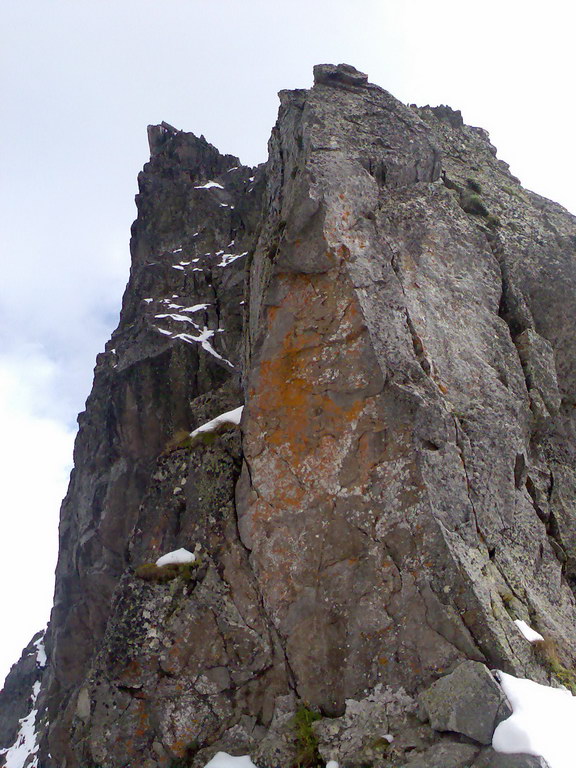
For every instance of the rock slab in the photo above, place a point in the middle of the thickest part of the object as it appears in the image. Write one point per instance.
(467, 701)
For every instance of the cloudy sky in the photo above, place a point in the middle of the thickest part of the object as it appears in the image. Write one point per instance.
(79, 82)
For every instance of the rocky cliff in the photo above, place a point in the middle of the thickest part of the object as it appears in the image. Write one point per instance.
(397, 316)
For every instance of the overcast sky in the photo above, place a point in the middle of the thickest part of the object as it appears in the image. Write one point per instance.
(79, 82)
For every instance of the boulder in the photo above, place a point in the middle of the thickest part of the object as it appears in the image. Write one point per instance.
(467, 701)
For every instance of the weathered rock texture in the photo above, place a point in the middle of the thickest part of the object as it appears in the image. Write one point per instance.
(398, 316)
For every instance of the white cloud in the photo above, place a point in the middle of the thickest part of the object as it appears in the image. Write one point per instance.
(35, 456)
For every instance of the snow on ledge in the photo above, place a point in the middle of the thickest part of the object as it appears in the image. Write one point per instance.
(542, 722)
(177, 557)
(230, 417)
(530, 634)
(209, 185)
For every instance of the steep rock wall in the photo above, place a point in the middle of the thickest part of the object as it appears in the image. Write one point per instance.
(179, 339)
(401, 416)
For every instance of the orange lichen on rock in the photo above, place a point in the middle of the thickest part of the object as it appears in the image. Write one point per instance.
(290, 393)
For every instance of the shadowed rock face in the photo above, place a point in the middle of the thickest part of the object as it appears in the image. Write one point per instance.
(172, 363)
(397, 314)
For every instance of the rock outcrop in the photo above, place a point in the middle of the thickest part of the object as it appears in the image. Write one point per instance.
(397, 316)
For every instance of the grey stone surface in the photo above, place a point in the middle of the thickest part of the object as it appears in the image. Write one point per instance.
(403, 460)
(364, 734)
(444, 755)
(467, 701)
(344, 74)
(488, 758)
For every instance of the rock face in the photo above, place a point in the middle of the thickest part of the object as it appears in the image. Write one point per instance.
(397, 316)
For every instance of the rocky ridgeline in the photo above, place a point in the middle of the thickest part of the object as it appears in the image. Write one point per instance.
(397, 315)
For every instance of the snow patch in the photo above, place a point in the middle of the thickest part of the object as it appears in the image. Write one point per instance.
(530, 634)
(228, 258)
(230, 417)
(177, 557)
(41, 658)
(210, 185)
(193, 308)
(178, 318)
(541, 723)
(224, 760)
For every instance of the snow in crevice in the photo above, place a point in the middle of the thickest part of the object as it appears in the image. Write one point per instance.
(203, 339)
(530, 634)
(182, 308)
(228, 258)
(178, 318)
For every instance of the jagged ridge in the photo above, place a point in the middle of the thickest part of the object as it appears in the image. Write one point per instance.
(404, 487)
